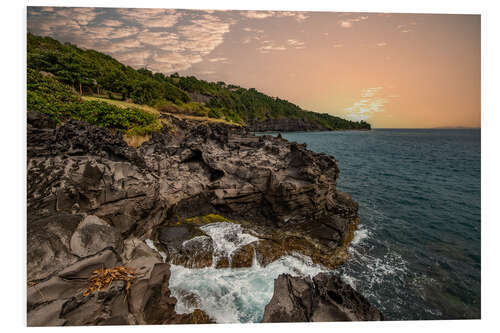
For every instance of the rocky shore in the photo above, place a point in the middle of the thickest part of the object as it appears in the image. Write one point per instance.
(93, 203)
(284, 125)
(323, 298)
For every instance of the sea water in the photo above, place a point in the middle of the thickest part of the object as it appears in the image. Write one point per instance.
(233, 295)
(417, 253)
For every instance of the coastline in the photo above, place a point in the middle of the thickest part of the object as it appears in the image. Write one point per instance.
(188, 177)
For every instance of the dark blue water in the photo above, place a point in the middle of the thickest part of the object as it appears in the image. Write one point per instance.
(417, 254)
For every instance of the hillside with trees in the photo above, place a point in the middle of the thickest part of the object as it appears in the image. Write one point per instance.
(58, 73)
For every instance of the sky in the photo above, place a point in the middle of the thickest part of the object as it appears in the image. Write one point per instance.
(391, 70)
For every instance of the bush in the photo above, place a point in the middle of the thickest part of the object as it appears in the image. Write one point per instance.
(47, 95)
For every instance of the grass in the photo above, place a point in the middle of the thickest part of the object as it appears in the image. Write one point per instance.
(152, 110)
(122, 104)
(203, 119)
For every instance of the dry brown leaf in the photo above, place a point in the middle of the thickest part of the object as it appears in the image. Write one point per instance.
(101, 278)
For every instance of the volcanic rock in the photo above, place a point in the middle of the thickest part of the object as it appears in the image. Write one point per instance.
(323, 298)
(92, 201)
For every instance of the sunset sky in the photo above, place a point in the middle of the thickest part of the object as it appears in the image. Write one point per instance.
(392, 70)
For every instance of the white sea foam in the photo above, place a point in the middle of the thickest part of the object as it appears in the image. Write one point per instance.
(227, 238)
(360, 235)
(240, 295)
(235, 295)
(232, 295)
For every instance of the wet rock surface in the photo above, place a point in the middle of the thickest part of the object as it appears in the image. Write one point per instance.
(93, 200)
(325, 297)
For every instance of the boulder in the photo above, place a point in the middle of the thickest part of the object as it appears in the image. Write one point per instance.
(48, 248)
(196, 252)
(243, 256)
(93, 235)
(323, 298)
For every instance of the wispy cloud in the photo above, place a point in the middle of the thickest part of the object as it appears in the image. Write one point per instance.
(257, 14)
(296, 43)
(268, 46)
(368, 104)
(169, 40)
(221, 59)
(381, 44)
(348, 22)
(252, 14)
(405, 28)
(112, 23)
(150, 17)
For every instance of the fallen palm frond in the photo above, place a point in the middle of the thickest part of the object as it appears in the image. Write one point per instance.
(101, 278)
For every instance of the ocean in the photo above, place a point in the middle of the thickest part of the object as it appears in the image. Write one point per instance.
(417, 251)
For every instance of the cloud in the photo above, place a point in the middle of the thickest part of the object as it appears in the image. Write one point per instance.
(404, 28)
(217, 59)
(150, 17)
(298, 16)
(345, 24)
(166, 40)
(138, 58)
(295, 43)
(124, 32)
(258, 31)
(255, 34)
(80, 15)
(252, 14)
(368, 104)
(338, 45)
(268, 46)
(349, 21)
(124, 45)
(204, 35)
(381, 44)
(112, 23)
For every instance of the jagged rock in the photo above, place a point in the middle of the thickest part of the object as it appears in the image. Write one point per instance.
(188, 299)
(60, 301)
(92, 235)
(49, 244)
(45, 297)
(284, 125)
(196, 252)
(323, 298)
(151, 303)
(140, 257)
(278, 191)
(243, 256)
(222, 263)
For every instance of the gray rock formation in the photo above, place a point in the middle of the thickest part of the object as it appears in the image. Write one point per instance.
(93, 201)
(284, 125)
(322, 298)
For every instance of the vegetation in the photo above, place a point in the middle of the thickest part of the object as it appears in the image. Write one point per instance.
(205, 219)
(101, 278)
(122, 104)
(47, 95)
(92, 73)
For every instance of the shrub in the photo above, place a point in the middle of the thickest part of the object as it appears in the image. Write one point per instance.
(47, 95)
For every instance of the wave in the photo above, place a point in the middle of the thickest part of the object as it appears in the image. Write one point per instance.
(232, 295)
